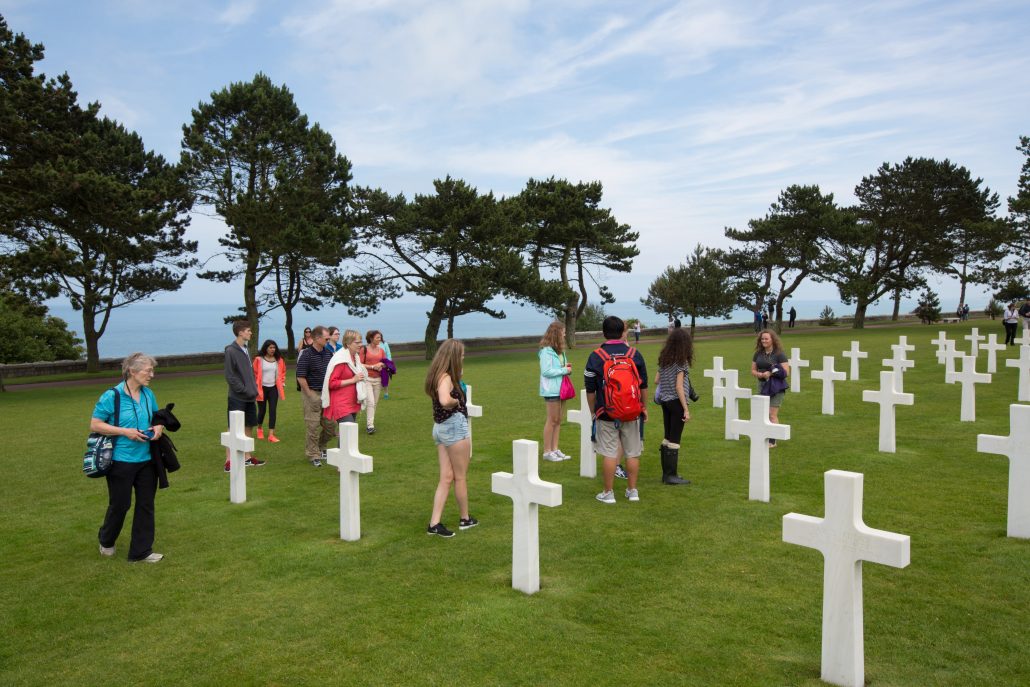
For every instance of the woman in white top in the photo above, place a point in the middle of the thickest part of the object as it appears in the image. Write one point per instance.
(1010, 319)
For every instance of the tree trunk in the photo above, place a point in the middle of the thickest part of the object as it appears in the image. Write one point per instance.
(433, 326)
(89, 334)
(692, 320)
(897, 306)
(779, 316)
(450, 326)
(570, 323)
(861, 303)
(250, 301)
(288, 312)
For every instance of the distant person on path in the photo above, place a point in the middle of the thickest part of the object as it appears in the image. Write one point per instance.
(270, 376)
(132, 470)
(636, 332)
(758, 319)
(1010, 320)
(305, 340)
(239, 375)
(965, 311)
(793, 317)
(615, 434)
(765, 320)
(386, 379)
(554, 367)
(344, 389)
(311, 366)
(676, 324)
(770, 363)
(451, 435)
(372, 357)
(1024, 312)
(333, 343)
(671, 384)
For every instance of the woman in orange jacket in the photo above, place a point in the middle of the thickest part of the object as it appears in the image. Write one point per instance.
(270, 375)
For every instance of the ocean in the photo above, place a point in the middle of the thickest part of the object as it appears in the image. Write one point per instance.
(169, 329)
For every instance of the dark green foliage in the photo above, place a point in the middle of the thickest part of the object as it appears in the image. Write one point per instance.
(1019, 210)
(993, 309)
(1013, 290)
(592, 319)
(827, 318)
(928, 310)
(699, 288)
(28, 334)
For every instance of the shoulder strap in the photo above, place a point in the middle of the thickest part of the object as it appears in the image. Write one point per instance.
(631, 352)
(603, 354)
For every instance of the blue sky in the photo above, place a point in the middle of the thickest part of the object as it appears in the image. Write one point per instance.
(694, 115)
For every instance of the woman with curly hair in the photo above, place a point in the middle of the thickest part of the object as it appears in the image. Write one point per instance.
(554, 366)
(770, 367)
(673, 390)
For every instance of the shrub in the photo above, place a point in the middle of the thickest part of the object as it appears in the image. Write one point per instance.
(827, 318)
(929, 307)
(993, 309)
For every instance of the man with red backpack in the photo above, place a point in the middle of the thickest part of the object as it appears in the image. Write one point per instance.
(616, 379)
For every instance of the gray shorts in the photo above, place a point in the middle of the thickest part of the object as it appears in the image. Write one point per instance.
(610, 434)
(452, 430)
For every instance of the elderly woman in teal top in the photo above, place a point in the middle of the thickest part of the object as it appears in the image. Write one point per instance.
(554, 365)
(132, 469)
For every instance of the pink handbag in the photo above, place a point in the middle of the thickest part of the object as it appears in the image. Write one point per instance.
(567, 390)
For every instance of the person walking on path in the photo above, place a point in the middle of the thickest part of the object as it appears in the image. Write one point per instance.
(243, 392)
(311, 366)
(451, 434)
(793, 317)
(372, 357)
(1010, 320)
(636, 332)
(270, 377)
(554, 367)
(770, 367)
(344, 389)
(671, 384)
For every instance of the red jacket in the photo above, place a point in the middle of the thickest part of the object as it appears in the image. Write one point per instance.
(280, 378)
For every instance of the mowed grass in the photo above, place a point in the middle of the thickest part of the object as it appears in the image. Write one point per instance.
(690, 586)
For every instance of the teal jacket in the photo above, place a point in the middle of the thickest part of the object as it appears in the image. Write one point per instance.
(552, 369)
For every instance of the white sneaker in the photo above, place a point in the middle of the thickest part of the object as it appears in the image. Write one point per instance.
(561, 455)
(152, 558)
(106, 550)
(552, 457)
(606, 496)
(632, 495)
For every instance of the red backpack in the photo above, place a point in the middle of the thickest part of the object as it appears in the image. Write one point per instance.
(622, 400)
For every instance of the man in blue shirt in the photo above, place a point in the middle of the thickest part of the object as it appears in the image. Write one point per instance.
(311, 366)
(611, 435)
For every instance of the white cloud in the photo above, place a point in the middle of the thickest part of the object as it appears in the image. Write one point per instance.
(238, 12)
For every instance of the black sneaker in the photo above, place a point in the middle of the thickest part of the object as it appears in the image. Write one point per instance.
(439, 530)
(370, 430)
(464, 524)
(254, 463)
(620, 471)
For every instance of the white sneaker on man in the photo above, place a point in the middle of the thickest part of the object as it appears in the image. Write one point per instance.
(552, 457)
(606, 497)
(632, 495)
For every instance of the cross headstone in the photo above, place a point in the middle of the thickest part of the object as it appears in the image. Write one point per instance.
(1024, 340)
(718, 380)
(239, 445)
(845, 541)
(585, 419)
(898, 364)
(888, 397)
(992, 347)
(474, 411)
(829, 376)
(732, 394)
(974, 337)
(351, 463)
(527, 492)
(1023, 363)
(760, 430)
(947, 357)
(1017, 447)
(968, 378)
(941, 342)
(854, 354)
(797, 363)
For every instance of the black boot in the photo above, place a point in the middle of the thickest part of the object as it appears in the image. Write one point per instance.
(670, 463)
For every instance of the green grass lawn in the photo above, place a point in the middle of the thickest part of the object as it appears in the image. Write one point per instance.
(690, 586)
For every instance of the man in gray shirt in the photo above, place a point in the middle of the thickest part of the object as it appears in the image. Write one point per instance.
(242, 388)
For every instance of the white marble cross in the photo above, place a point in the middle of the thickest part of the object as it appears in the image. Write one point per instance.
(854, 354)
(903, 345)
(992, 347)
(732, 394)
(797, 363)
(947, 357)
(898, 364)
(1016, 446)
(474, 411)
(351, 463)
(829, 376)
(1024, 339)
(968, 378)
(760, 430)
(239, 445)
(585, 419)
(1023, 363)
(717, 373)
(974, 337)
(845, 541)
(528, 492)
(941, 342)
(888, 397)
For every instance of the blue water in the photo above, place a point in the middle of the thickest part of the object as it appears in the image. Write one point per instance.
(168, 329)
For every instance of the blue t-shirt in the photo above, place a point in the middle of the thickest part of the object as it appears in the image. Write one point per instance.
(131, 414)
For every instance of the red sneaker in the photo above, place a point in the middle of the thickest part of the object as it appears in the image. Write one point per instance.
(272, 438)
(261, 433)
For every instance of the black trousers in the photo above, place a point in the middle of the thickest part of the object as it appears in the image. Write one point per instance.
(122, 481)
(272, 400)
(672, 419)
(1010, 332)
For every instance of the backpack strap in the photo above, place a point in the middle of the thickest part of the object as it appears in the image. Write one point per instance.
(603, 354)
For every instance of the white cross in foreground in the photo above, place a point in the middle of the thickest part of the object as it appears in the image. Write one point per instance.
(351, 463)
(796, 365)
(854, 354)
(974, 338)
(585, 419)
(760, 430)
(239, 445)
(888, 396)
(1024, 339)
(732, 394)
(527, 492)
(1017, 447)
(968, 378)
(845, 541)
(829, 376)
(1023, 363)
(473, 410)
(717, 373)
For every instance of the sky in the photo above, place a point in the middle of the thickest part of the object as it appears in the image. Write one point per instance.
(693, 115)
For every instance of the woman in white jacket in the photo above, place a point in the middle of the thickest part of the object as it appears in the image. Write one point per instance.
(554, 365)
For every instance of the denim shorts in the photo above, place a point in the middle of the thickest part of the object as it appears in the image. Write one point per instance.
(452, 430)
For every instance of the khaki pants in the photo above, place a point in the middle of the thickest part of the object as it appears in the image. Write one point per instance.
(317, 438)
(373, 388)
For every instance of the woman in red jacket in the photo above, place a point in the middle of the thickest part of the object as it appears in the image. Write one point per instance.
(343, 391)
(270, 375)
